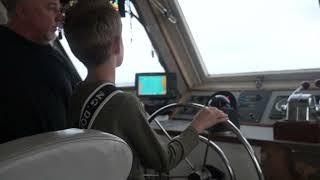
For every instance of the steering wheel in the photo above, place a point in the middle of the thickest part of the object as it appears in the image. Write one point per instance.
(225, 101)
(210, 144)
(228, 96)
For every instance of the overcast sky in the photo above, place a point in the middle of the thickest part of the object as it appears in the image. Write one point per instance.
(255, 35)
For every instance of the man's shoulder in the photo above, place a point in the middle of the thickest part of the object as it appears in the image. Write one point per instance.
(7, 34)
(11, 42)
(4, 36)
(3, 29)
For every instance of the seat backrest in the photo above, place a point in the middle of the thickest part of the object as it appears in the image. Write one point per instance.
(72, 154)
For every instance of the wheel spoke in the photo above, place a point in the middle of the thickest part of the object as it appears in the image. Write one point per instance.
(206, 151)
(221, 154)
(170, 138)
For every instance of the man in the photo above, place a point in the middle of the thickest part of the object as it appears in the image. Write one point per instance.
(93, 30)
(36, 81)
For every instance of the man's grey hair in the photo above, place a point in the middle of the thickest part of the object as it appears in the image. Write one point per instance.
(11, 7)
(3, 14)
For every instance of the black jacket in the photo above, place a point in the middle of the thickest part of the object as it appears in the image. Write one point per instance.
(35, 87)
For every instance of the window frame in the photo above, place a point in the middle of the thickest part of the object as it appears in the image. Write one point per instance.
(188, 58)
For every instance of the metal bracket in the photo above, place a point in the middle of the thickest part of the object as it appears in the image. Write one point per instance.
(165, 11)
(259, 81)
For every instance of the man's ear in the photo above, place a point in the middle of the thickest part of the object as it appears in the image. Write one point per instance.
(20, 10)
(116, 43)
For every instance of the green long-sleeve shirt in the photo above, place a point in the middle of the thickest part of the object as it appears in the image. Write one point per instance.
(125, 117)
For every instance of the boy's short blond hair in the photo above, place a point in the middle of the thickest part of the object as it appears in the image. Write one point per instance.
(90, 26)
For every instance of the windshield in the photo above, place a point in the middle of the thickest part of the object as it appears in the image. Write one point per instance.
(250, 36)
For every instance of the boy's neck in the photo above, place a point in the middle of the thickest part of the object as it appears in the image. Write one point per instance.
(104, 72)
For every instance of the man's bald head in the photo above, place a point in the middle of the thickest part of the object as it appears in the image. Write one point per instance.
(11, 6)
(36, 20)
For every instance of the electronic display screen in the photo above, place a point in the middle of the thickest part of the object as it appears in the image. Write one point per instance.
(151, 84)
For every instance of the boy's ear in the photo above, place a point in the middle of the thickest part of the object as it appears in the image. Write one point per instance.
(116, 43)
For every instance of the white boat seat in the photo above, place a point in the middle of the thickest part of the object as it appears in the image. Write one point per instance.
(71, 154)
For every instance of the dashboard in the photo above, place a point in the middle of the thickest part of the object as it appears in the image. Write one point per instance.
(265, 107)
